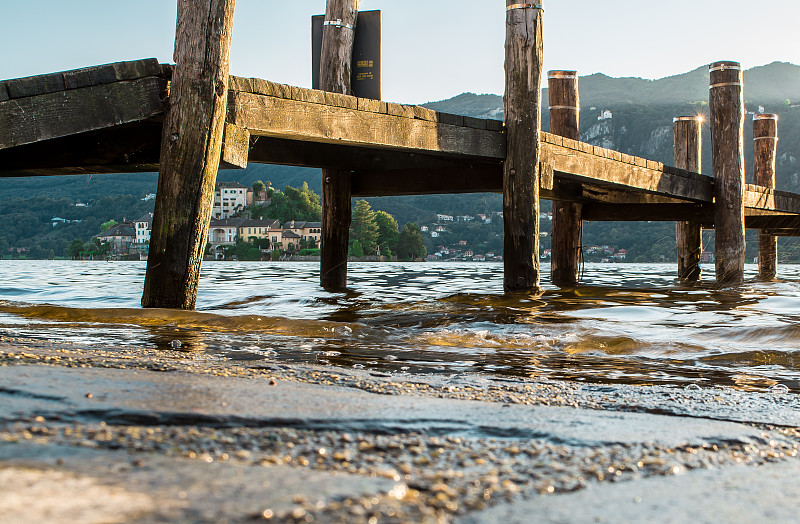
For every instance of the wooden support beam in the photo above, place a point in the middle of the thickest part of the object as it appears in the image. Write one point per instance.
(235, 147)
(265, 115)
(765, 148)
(335, 74)
(566, 231)
(584, 163)
(522, 101)
(726, 105)
(688, 233)
(700, 213)
(190, 153)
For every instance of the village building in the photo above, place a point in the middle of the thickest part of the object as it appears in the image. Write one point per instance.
(119, 238)
(258, 229)
(230, 198)
(143, 228)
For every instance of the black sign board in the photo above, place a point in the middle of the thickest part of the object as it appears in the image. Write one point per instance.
(366, 75)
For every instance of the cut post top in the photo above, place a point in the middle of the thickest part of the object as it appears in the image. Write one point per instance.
(566, 75)
(765, 127)
(695, 118)
(725, 74)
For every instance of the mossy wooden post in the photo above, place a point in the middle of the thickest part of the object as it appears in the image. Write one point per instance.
(688, 234)
(523, 106)
(726, 104)
(566, 233)
(191, 142)
(335, 68)
(765, 149)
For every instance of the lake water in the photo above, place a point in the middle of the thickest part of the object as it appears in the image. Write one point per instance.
(627, 323)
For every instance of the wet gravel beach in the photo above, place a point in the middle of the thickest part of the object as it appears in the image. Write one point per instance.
(92, 434)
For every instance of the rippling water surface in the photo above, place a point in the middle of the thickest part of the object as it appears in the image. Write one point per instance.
(629, 323)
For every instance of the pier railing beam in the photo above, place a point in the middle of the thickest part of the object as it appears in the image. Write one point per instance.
(726, 105)
(335, 66)
(191, 143)
(565, 235)
(688, 234)
(523, 111)
(765, 148)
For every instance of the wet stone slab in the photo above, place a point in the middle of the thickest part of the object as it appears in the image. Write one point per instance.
(42, 482)
(149, 398)
(734, 495)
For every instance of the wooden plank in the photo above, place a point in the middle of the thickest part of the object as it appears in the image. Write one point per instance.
(83, 77)
(447, 118)
(423, 113)
(758, 197)
(64, 113)
(270, 116)
(494, 125)
(235, 147)
(130, 148)
(466, 179)
(3, 92)
(583, 166)
(35, 85)
(107, 73)
(703, 213)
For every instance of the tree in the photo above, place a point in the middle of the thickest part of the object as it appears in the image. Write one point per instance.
(410, 244)
(387, 232)
(364, 227)
(258, 187)
(292, 204)
(356, 249)
(75, 248)
(105, 226)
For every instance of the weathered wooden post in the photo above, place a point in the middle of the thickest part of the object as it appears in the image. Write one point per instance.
(726, 104)
(565, 236)
(335, 67)
(688, 234)
(765, 149)
(191, 142)
(523, 106)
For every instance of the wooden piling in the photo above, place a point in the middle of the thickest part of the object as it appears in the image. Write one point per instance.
(565, 235)
(191, 143)
(335, 74)
(765, 148)
(688, 234)
(523, 103)
(726, 105)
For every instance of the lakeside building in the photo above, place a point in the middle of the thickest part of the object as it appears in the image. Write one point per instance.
(120, 238)
(143, 228)
(230, 198)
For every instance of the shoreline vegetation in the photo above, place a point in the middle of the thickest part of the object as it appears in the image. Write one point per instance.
(168, 435)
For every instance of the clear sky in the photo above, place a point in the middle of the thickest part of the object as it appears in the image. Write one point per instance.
(432, 49)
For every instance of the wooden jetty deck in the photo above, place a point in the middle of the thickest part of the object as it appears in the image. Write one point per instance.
(111, 119)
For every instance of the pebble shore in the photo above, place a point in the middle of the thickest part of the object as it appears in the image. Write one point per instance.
(431, 478)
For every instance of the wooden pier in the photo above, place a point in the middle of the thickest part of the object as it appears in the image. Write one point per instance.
(123, 118)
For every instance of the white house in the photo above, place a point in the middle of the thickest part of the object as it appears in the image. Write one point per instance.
(230, 198)
(444, 218)
(143, 228)
(605, 114)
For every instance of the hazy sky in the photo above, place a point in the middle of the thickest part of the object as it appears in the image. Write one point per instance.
(432, 49)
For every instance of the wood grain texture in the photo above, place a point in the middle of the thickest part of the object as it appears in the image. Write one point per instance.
(235, 147)
(53, 115)
(565, 236)
(765, 149)
(190, 153)
(335, 76)
(278, 117)
(77, 78)
(688, 233)
(523, 105)
(726, 106)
